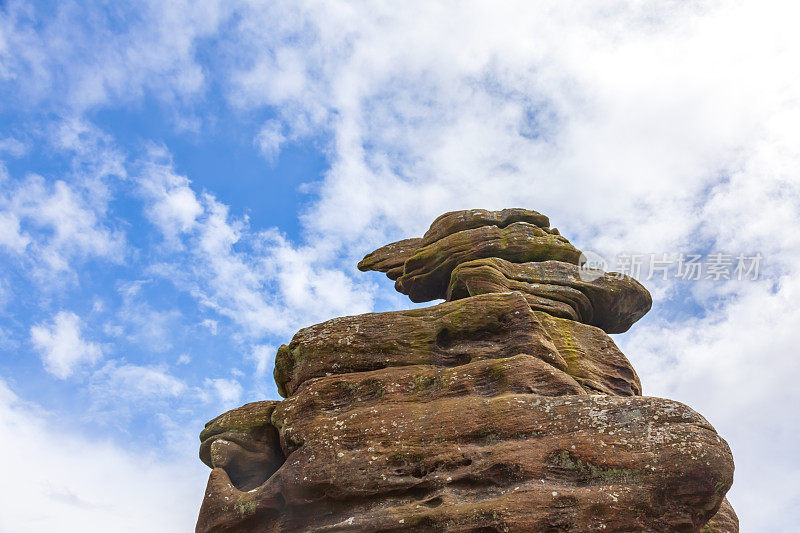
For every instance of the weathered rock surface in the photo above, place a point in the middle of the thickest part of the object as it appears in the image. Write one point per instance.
(422, 267)
(488, 326)
(612, 302)
(390, 258)
(456, 221)
(243, 448)
(244, 442)
(510, 462)
(725, 521)
(506, 408)
(426, 274)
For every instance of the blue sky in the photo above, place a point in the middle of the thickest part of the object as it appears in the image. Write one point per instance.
(184, 185)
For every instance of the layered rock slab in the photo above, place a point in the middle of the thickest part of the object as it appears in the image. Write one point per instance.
(488, 326)
(426, 272)
(456, 221)
(512, 462)
(610, 301)
(391, 257)
(242, 446)
(465, 253)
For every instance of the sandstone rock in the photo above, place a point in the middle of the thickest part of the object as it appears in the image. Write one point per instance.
(451, 334)
(612, 302)
(505, 409)
(591, 356)
(243, 448)
(725, 521)
(513, 462)
(244, 443)
(422, 266)
(390, 258)
(426, 274)
(519, 374)
(456, 221)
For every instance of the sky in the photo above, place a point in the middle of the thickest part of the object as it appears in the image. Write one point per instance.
(184, 185)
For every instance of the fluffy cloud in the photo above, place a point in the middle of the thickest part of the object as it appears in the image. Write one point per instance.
(135, 383)
(145, 48)
(61, 345)
(61, 480)
(51, 225)
(258, 279)
(13, 147)
(63, 229)
(172, 205)
(227, 391)
(10, 234)
(549, 105)
(263, 355)
(270, 139)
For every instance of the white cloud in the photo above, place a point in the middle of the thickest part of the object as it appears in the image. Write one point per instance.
(261, 281)
(60, 480)
(173, 206)
(50, 225)
(56, 57)
(61, 345)
(10, 235)
(135, 383)
(212, 325)
(228, 392)
(517, 101)
(230, 282)
(263, 355)
(61, 228)
(94, 155)
(270, 139)
(5, 297)
(140, 323)
(13, 147)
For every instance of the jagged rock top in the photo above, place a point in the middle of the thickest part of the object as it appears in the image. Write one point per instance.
(471, 252)
(392, 256)
(456, 221)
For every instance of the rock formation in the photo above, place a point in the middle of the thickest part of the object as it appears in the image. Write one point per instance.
(505, 408)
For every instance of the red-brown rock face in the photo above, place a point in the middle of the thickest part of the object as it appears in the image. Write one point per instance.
(506, 408)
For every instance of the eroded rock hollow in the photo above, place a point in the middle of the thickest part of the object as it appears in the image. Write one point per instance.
(507, 408)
